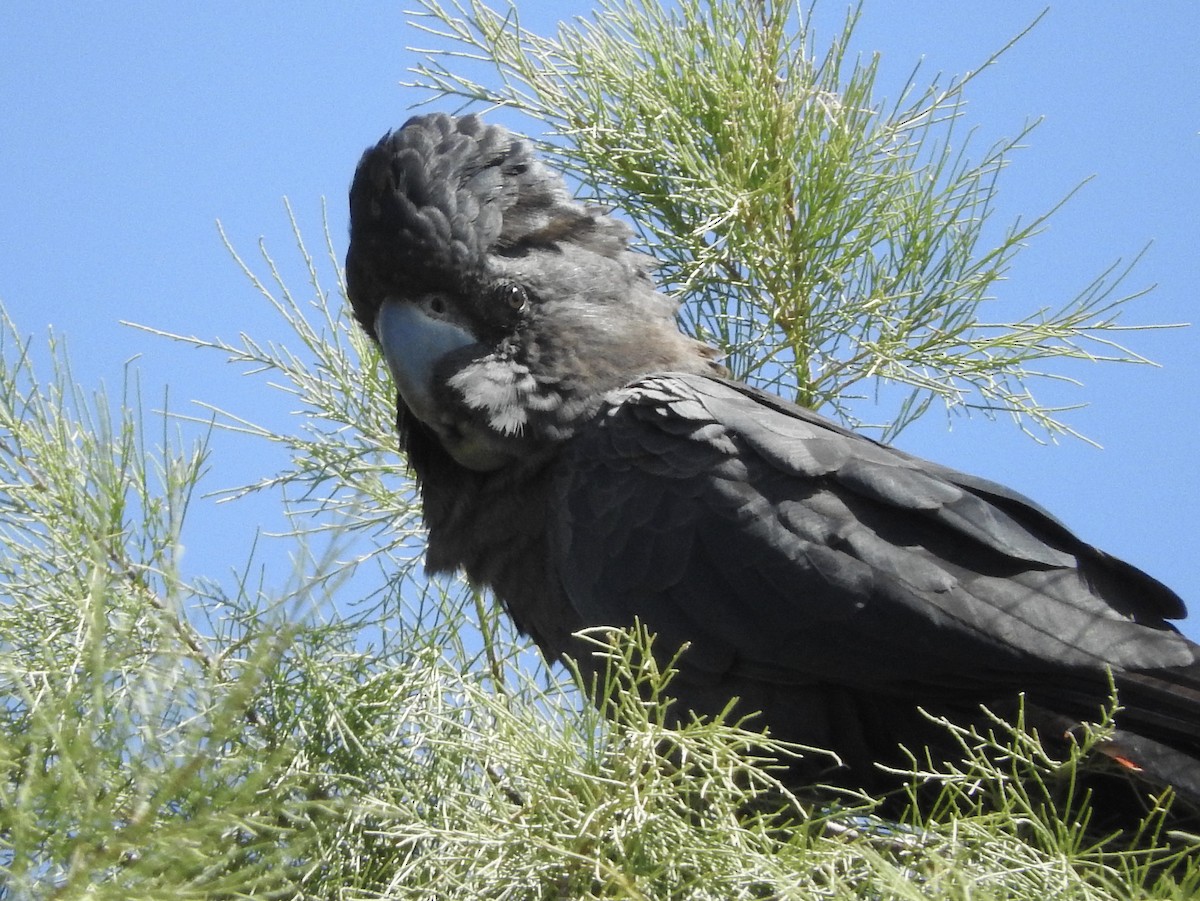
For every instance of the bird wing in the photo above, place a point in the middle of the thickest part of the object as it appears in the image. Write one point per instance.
(784, 548)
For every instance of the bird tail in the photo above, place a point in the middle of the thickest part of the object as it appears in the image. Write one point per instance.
(1158, 729)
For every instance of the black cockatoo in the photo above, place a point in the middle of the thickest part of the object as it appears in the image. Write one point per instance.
(591, 464)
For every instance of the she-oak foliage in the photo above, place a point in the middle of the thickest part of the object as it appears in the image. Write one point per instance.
(373, 735)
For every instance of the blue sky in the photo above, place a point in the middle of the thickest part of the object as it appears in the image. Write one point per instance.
(127, 130)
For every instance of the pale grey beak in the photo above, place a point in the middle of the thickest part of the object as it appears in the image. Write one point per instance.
(413, 341)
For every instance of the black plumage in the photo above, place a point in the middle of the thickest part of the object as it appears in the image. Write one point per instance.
(591, 464)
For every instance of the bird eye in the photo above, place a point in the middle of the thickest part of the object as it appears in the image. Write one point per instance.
(514, 296)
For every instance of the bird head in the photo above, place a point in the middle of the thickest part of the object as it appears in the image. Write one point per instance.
(504, 309)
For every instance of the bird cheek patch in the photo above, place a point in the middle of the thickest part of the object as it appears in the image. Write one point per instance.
(491, 388)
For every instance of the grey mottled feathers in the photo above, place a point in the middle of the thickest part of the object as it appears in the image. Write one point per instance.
(435, 201)
(460, 219)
